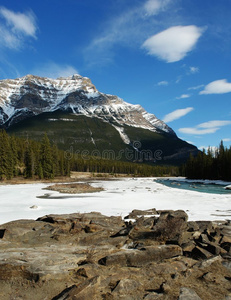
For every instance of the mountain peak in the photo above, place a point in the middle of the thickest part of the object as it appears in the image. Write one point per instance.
(33, 95)
(71, 77)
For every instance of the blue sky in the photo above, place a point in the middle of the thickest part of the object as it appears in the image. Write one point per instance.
(171, 56)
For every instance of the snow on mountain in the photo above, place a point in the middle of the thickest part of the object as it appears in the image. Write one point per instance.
(33, 95)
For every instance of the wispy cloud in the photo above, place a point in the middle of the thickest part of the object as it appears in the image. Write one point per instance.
(217, 87)
(8, 69)
(8, 39)
(196, 87)
(206, 127)
(153, 7)
(197, 131)
(177, 114)
(15, 27)
(184, 96)
(53, 70)
(174, 43)
(212, 124)
(179, 78)
(227, 140)
(162, 83)
(193, 70)
(130, 28)
(20, 22)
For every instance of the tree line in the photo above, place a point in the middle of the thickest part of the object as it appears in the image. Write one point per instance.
(31, 159)
(211, 165)
(43, 160)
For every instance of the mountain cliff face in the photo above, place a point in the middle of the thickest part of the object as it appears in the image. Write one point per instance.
(81, 116)
(32, 95)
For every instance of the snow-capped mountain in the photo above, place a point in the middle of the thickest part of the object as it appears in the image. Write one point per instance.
(79, 118)
(32, 95)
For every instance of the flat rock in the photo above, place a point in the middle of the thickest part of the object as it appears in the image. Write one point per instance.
(138, 258)
(92, 256)
(136, 213)
(188, 294)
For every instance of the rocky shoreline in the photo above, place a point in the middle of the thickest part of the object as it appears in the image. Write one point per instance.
(148, 255)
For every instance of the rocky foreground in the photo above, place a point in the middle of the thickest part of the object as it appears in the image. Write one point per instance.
(149, 255)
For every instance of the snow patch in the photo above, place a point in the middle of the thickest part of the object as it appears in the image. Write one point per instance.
(61, 119)
(54, 91)
(123, 135)
(119, 198)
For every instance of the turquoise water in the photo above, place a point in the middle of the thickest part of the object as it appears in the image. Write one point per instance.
(195, 186)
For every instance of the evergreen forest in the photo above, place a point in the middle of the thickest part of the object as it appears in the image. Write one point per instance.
(43, 160)
(211, 165)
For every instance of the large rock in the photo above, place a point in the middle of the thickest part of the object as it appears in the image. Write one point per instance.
(137, 213)
(188, 294)
(91, 256)
(167, 228)
(84, 291)
(139, 258)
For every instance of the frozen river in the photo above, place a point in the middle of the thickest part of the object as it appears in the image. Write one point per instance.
(119, 198)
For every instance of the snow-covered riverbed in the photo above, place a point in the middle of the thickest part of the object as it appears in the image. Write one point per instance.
(119, 198)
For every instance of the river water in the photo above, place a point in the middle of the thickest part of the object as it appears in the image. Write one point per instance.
(199, 186)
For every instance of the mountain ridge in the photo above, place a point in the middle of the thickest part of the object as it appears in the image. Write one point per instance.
(76, 93)
(30, 104)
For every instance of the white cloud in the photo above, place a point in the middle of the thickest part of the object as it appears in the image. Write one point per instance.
(212, 124)
(179, 78)
(217, 87)
(205, 128)
(193, 70)
(196, 87)
(8, 39)
(20, 22)
(16, 27)
(153, 7)
(129, 28)
(184, 96)
(53, 70)
(174, 43)
(164, 82)
(197, 131)
(226, 140)
(177, 114)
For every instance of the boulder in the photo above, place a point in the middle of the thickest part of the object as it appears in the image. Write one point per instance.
(170, 225)
(188, 294)
(225, 243)
(84, 291)
(91, 256)
(138, 258)
(200, 253)
(136, 213)
(127, 287)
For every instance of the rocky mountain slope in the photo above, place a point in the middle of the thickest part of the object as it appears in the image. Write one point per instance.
(35, 95)
(74, 101)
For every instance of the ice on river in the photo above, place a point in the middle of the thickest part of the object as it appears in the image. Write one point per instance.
(118, 199)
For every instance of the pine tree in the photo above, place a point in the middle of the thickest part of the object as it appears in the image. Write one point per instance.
(46, 158)
(6, 157)
(14, 150)
(29, 163)
(56, 158)
(40, 171)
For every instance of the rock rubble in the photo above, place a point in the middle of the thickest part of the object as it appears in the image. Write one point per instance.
(149, 255)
